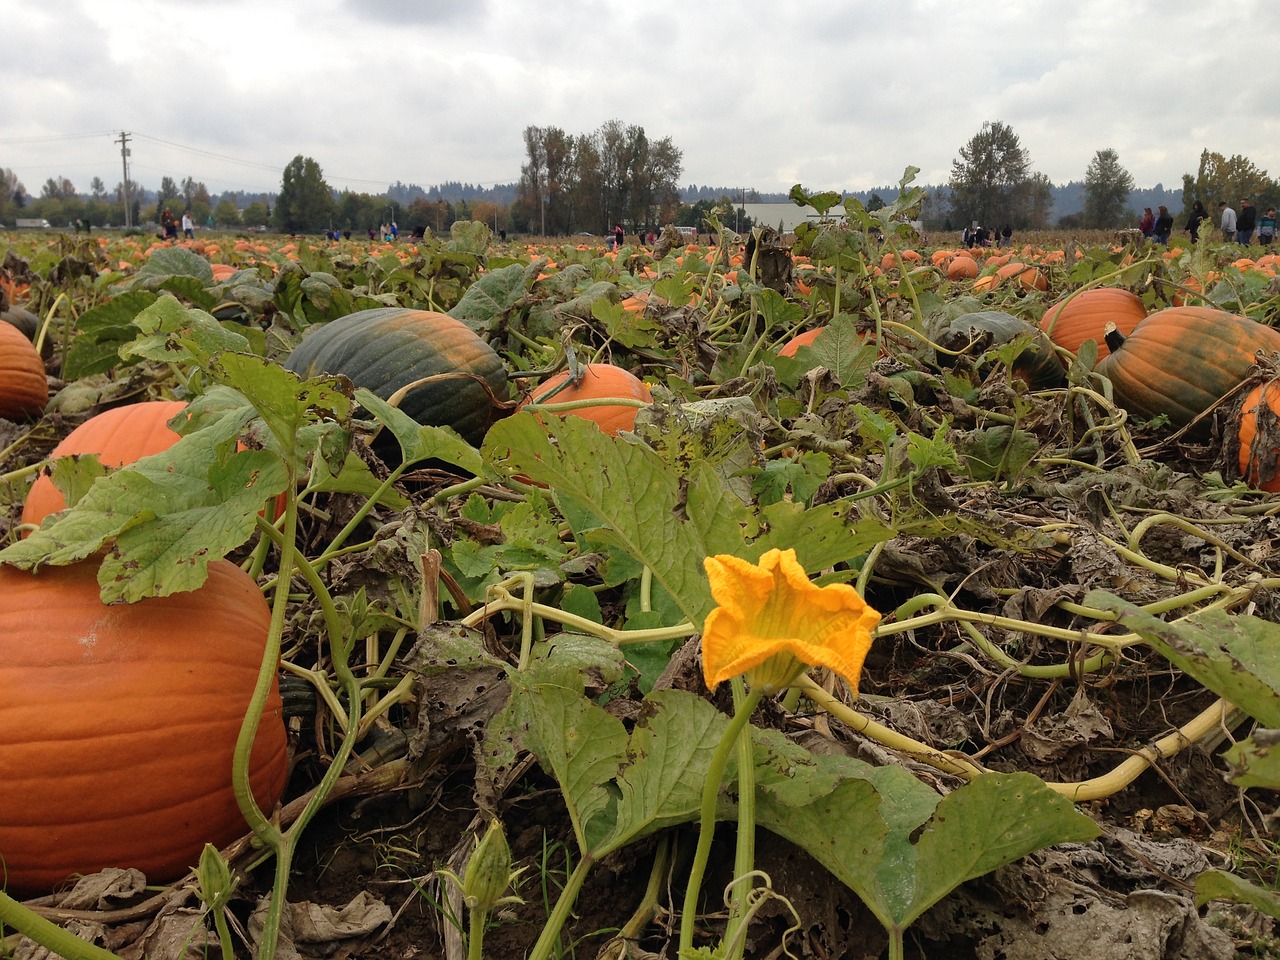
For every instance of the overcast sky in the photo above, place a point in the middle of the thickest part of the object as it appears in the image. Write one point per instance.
(842, 94)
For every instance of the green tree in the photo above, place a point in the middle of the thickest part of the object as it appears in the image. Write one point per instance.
(989, 179)
(11, 193)
(1228, 178)
(305, 203)
(226, 214)
(1107, 185)
(58, 188)
(1036, 202)
(592, 181)
(255, 214)
(165, 196)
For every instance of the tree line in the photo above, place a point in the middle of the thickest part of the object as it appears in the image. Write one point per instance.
(590, 181)
(587, 182)
(992, 184)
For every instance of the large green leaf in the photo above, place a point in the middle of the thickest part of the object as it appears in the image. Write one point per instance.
(871, 837)
(1235, 656)
(628, 495)
(670, 750)
(164, 517)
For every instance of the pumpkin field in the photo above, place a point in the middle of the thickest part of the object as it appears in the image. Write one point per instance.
(836, 594)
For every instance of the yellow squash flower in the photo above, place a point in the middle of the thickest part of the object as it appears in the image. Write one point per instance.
(772, 621)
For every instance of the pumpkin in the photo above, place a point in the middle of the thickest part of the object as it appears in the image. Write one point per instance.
(962, 268)
(1259, 460)
(599, 381)
(805, 339)
(1025, 275)
(1180, 361)
(1037, 365)
(23, 319)
(1084, 316)
(387, 348)
(24, 388)
(118, 436)
(222, 271)
(118, 723)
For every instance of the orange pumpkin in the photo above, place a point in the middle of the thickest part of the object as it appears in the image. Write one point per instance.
(1259, 466)
(1181, 360)
(24, 389)
(1025, 275)
(600, 381)
(962, 268)
(1070, 322)
(222, 271)
(118, 723)
(805, 339)
(118, 436)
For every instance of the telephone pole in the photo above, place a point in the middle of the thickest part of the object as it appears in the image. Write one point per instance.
(124, 160)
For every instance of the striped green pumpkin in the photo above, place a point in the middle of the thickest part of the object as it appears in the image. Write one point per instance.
(387, 348)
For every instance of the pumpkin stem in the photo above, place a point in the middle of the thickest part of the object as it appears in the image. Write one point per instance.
(1113, 337)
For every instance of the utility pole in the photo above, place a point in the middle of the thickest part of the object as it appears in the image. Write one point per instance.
(124, 160)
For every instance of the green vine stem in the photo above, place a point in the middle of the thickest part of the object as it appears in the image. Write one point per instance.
(707, 814)
(60, 942)
(548, 940)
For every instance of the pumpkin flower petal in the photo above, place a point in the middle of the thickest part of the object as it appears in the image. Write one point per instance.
(771, 611)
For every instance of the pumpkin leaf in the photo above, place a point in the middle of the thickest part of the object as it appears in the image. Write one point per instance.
(1237, 657)
(1255, 761)
(1220, 885)
(665, 770)
(629, 497)
(164, 517)
(172, 333)
(102, 331)
(871, 837)
(418, 442)
(487, 301)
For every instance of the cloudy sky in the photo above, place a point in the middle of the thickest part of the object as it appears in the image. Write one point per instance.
(839, 94)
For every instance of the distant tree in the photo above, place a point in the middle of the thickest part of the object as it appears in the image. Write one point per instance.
(11, 190)
(58, 188)
(874, 202)
(97, 189)
(615, 174)
(436, 216)
(1036, 202)
(255, 214)
(1107, 185)
(226, 213)
(1222, 178)
(988, 180)
(167, 197)
(305, 203)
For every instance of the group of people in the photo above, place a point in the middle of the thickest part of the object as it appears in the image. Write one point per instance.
(1236, 228)
(169, 225)
(979, 236)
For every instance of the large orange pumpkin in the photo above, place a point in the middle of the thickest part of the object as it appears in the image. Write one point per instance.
(24, 389)
(118, 436)
(1180, 361)
(1084, 316)
(118, 723)
(1259, 462)
(600, 381)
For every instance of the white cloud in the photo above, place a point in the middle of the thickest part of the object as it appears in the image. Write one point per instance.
(842, 94)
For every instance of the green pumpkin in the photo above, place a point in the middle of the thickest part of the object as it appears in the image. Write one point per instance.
(387, 348)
